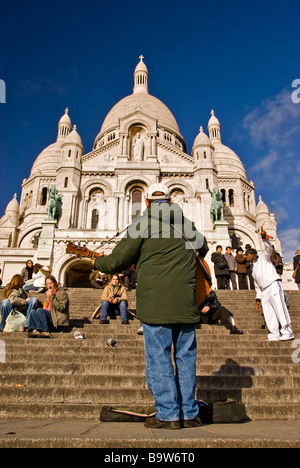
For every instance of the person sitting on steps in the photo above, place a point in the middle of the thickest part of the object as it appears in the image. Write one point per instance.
(53, 315)
(211, 311)
(114, 299)
(16, 298)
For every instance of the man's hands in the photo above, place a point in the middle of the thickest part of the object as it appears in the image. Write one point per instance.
(264, 235)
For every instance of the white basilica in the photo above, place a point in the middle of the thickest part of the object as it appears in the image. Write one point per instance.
(103, 190)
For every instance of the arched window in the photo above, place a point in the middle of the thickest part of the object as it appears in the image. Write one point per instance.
(44, 196)
(231, 198)
(223, 192)
(95, 219)
(136, 202)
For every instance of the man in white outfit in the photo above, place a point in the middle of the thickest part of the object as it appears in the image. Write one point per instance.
(270, 294)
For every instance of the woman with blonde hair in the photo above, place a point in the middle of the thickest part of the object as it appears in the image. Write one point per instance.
(16, 298)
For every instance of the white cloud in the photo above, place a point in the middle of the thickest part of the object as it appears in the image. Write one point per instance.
(290, 241)
(274, 128)
(276, 122)
(280, 209)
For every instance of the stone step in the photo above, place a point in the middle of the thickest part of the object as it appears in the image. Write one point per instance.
(110, 367)
(100, 352)
(36, 380)
(69, 411)
(124, 439)
(140, 396)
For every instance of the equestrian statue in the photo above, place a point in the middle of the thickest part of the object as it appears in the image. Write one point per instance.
(54, 206)
(217, 205)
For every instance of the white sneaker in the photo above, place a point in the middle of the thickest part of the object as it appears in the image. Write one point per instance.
(140, 331)
(289, 337)
(273, 337)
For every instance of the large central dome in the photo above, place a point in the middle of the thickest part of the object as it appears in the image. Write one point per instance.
(147, 104)
(140, 101)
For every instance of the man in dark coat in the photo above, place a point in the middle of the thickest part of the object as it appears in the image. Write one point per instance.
(166, 303)
(242, 269)
(296, 262)
(221, 268)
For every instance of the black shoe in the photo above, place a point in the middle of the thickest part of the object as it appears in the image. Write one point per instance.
(153, 423)
(188, 423)
(104, 322)
(235, 331)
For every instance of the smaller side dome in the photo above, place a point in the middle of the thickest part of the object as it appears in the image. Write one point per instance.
(13, 205)
(202, 139)
(262, 208)
(73, 138)
(13, 210)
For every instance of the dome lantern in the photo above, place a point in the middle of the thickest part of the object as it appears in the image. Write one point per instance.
(141, 77)
(64, 126)
(214, 128)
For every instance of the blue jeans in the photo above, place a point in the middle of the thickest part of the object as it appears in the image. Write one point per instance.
(40, 319)
(120, 308)
(32, 288)
(6, 309)
(174, 394)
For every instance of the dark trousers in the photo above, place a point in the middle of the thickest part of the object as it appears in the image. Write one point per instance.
(232, 278)
(251, 280)
(222, 314)
(243, 282)
(222, 281)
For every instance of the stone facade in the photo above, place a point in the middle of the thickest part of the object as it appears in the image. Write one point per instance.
(103, 190)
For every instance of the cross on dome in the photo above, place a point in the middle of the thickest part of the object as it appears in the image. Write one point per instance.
(141, 57)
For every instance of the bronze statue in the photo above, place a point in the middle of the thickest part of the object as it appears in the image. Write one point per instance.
(54, 206)
(217, 205)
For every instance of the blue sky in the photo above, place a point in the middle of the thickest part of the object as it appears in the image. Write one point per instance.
(239, 58)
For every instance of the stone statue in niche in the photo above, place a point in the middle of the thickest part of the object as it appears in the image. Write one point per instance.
(137, 148)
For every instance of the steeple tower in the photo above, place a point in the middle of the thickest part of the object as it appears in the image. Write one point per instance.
(214, 128)
(141, 77)
(64, 126)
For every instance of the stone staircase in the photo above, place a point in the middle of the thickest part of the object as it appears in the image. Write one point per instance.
(70, 379)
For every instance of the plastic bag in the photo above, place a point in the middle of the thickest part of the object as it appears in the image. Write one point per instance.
(14, 322)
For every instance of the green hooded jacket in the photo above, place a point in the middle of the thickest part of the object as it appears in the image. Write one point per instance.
(165, 266)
